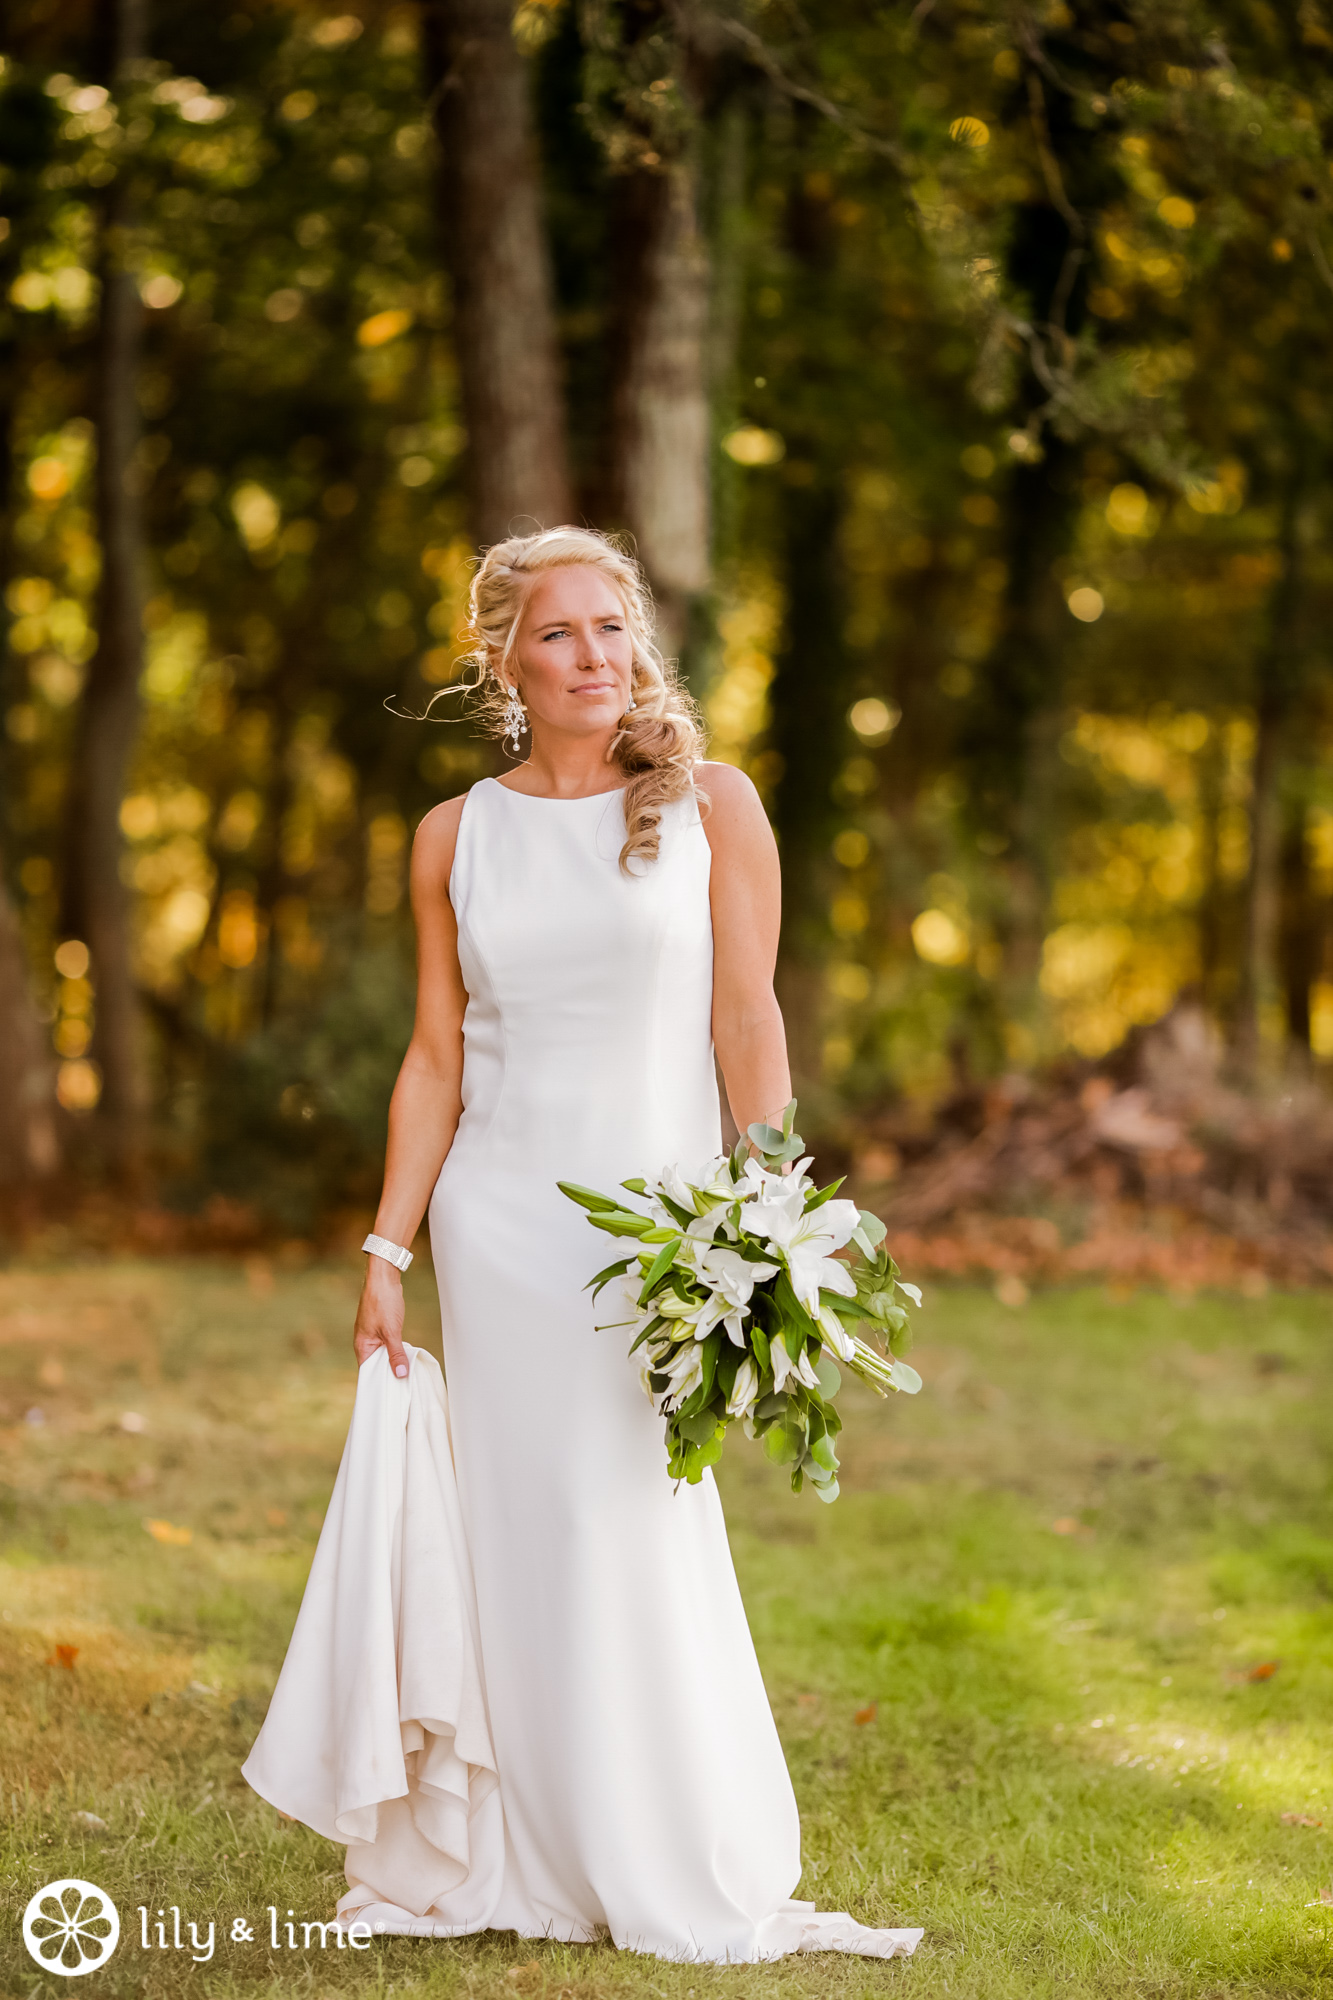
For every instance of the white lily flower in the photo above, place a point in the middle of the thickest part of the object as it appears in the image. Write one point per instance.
(710, 1182)
(622, 1303)
(786, 1370)
(756, 1179)
(745, 1393)
(807, 1241)
(704, 1228)
(686, 1372)
(835, 1334)
(673, 1307)
(731, 1279)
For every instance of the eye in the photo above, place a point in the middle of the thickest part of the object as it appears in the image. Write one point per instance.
(560, 632)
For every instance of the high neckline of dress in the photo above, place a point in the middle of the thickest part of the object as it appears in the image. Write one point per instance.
(547, 799)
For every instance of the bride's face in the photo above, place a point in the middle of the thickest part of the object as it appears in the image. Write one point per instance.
(572, 657)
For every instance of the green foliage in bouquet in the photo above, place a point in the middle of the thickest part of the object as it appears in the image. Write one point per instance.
(742, 1309)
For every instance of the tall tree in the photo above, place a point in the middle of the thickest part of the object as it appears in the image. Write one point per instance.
(95, 907)
(28, 1145)
(499, 264)
(653, 84)
(1277, 684)
(661, 403)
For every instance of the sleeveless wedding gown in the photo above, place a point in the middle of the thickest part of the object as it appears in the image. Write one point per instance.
(521, 1687)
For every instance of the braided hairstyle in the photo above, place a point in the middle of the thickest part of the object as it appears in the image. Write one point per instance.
(661, 739)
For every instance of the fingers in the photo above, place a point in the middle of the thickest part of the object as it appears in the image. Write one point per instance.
(366, 1344)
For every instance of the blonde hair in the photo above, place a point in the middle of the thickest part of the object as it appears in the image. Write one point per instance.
(661, 739)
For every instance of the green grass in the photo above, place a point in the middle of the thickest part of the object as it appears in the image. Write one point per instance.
(1068, 1777)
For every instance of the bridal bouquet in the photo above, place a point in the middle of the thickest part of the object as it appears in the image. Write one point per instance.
(739, 1304)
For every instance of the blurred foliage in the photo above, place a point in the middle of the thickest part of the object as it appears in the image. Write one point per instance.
(1021, 486)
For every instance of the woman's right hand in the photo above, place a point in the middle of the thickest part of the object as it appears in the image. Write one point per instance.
(380, 1314)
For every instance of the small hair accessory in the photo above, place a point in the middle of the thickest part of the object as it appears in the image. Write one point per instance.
(514, 721)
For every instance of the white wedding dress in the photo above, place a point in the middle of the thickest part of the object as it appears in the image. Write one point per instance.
(521, 1686)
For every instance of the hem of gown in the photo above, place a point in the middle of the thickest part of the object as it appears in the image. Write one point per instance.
(795, 1928)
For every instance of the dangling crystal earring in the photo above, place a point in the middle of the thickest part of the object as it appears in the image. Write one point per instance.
(632, 704)
(514, 721)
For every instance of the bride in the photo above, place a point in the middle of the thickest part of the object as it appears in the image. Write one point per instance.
(521, 1688)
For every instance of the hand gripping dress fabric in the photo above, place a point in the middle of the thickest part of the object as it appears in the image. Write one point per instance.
(522, 1687)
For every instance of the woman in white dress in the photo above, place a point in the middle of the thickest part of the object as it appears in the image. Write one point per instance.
(522, 1687)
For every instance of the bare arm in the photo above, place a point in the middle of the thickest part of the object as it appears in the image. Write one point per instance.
(748, 1034)
(427, 1098)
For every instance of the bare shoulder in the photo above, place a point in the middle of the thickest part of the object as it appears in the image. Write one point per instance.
(735, 814)
(435, 840)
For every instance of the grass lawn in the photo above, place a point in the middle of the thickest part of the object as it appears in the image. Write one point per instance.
(1054, 1674)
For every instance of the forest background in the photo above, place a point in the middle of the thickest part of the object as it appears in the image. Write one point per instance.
(960, 370)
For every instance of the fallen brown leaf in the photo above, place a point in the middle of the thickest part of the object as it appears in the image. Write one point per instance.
(63, 1656)
(1264, 1671)
(867, 1714)
(1300, 1819)
(1067, 1524)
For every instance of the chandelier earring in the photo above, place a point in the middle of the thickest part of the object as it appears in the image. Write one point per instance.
(514, 721)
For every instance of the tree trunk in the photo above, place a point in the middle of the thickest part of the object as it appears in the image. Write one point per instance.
(661, 403)
(1300, 930)
(809, 697)
(1005, 740)
(499, 264)
(1276, 682)
(95, 902)
(28, 1145)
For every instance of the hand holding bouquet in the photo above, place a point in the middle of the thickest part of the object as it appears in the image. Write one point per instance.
(739, 1304)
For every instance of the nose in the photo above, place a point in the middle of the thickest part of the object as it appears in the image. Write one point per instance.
(592, 655)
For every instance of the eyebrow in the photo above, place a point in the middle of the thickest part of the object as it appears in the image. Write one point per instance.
(606, 618)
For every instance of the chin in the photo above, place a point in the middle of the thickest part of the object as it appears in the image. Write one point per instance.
(588, 717)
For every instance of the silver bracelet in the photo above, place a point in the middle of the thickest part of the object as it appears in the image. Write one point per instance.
(392, 1253)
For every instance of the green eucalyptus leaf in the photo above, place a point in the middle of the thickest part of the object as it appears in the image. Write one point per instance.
(830, 1381)
(872, 1227)
(781, 1446)
(904, 1378)
(829, 1492)
(824, 1456)
(766, 1139)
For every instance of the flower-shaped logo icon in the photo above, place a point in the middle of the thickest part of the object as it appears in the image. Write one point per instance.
(71, 1927)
